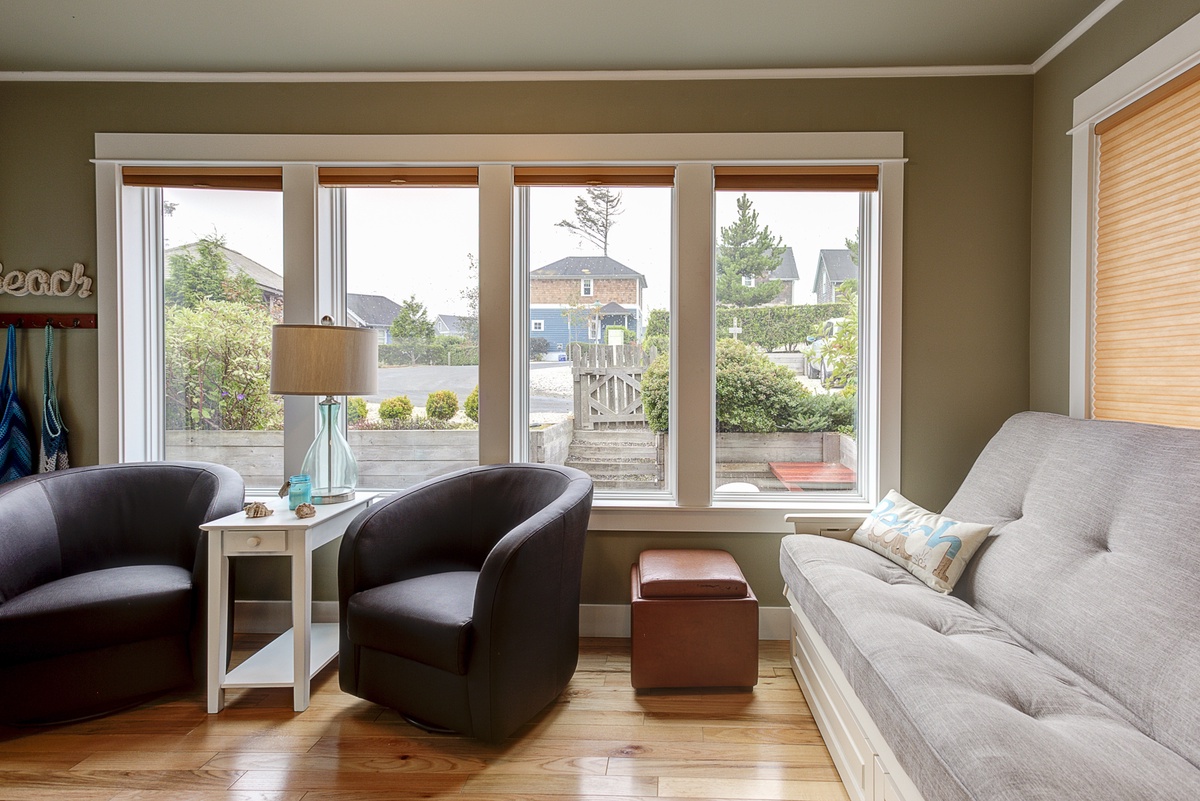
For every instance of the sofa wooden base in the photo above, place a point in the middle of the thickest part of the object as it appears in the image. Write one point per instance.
(867, 765)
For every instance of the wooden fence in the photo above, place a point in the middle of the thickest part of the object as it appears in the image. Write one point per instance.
(608, 385)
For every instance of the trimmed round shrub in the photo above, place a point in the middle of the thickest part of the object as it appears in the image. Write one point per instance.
(441, 405)
(397, 408)
(754, 395)
(356, 409)
(471, 404)
(833, 412)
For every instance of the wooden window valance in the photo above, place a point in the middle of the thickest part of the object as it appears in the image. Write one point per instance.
(594, 176)
(269, 179)
(814, 178)
(398, 176)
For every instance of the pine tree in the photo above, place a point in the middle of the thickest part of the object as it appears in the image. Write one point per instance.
(595, 215)
(199, 274)
(747, 252)
(411, 321)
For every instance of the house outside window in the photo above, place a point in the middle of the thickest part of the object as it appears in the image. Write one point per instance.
(317, 284)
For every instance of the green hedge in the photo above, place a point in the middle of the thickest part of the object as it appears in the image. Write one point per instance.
(453, 351)
(772, 328)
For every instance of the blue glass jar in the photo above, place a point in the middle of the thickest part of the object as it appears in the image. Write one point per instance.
(299, 490)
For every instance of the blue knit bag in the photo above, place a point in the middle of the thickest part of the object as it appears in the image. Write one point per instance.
(16, 454)
(54, 431)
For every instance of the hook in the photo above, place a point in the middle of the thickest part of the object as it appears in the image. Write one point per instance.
(76, 323)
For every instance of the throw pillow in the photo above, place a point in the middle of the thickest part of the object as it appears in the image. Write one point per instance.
(933, 548)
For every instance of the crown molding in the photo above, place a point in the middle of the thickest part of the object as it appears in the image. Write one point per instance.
(802, 73)
(500, 77)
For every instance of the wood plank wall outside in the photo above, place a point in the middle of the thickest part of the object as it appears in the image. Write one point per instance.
(600, 740)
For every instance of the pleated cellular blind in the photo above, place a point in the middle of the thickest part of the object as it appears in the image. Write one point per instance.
(1146, 322)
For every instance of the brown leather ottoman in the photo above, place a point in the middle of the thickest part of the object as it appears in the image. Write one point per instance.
(695, 621)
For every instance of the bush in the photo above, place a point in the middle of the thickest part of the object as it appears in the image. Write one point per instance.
(538, 347)
(397, 408)
(772, 328)
(471, 404)
(832, 412)
(753, 395)
(441, 405)
(356, 409)
(630, 334)
(656, 388)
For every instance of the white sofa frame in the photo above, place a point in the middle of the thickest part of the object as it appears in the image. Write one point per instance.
(864, 760)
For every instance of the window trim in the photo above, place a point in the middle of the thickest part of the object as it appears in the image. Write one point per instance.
(537, 326)
(587, 287)
(503, 373)
(1162, 62)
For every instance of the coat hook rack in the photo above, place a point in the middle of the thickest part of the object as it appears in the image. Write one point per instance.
(24, 320)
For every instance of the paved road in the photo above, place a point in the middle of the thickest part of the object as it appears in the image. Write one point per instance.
(419, 380)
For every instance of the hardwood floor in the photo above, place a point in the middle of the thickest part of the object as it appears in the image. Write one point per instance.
(600, 741)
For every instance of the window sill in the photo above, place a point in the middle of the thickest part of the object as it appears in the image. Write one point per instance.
(758, 517)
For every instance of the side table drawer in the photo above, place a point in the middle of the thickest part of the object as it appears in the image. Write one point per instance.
(243, 542)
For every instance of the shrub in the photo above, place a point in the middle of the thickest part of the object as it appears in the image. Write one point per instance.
(832, 412)
(754, 395)
(630, 334)
(397, 408)
(441, 405)
(471, 404)
(538, 347)
(656, 387)
(356, 409)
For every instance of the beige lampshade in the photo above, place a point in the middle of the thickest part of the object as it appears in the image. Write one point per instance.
(324, 360)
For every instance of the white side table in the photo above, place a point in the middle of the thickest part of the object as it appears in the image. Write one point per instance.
(293, 658)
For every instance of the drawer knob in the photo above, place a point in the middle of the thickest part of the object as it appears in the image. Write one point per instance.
(254, 542)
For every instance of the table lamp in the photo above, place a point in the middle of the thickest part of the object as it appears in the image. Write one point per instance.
(327, 360)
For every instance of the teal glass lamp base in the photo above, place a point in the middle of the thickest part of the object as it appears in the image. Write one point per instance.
(329, 462)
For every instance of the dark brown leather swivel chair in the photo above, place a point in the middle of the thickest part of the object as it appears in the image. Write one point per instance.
(459, 597)
(102, 585)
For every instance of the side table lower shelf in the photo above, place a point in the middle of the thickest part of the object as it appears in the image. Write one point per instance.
(272, 665)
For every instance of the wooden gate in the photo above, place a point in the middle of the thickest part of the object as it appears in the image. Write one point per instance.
(608, 385)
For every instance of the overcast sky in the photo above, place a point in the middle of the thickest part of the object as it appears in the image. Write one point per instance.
(402, 242)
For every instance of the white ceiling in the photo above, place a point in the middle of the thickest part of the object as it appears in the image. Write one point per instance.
(536, 35)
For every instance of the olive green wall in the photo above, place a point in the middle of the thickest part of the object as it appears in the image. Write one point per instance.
(1126, 31)
(966, 224)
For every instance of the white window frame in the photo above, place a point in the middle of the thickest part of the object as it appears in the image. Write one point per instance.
(1162, 62)
(125, 235)
(586, 287)
(593, 331)
(537, 326)
(748, 281)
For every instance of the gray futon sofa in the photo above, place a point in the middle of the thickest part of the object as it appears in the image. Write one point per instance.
(1066, 662)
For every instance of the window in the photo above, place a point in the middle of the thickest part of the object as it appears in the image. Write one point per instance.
(593, 412)
(221, 263)
(787, 358)
(410, 240)
(1135, 313)
(670, 308)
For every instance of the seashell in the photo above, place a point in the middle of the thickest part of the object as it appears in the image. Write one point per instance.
(258, 509)
(306, 510)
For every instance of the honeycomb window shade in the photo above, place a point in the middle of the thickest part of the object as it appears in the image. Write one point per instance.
(1146, 315)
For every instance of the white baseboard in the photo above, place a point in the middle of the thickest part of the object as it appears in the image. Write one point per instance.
(595, 620)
